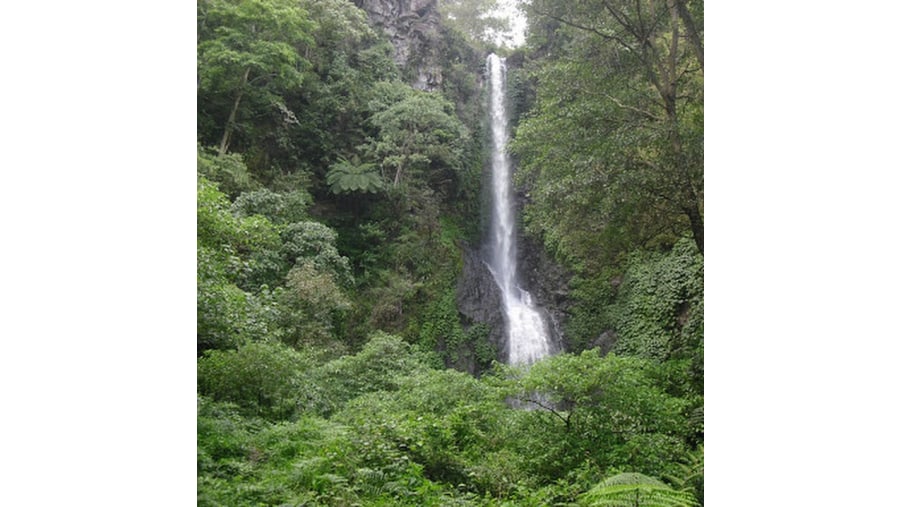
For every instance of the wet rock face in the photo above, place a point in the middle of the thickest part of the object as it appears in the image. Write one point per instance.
(413, 27)
(548, 284)
(479, 300)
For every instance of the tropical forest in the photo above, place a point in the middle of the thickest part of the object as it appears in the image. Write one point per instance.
(449, 253)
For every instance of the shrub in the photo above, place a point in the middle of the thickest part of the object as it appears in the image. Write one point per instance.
(261, 378)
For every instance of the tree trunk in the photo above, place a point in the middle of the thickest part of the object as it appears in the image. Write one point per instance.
(693, 36)
(693, 214)
(229, 125)
(397, 175)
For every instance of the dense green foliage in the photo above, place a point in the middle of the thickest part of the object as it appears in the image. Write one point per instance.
(613, 150)
(333, 204)
(411, 434)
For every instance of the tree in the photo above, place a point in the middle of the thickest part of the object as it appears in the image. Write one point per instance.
(446, 421)
(312, 303)
(316, 243)
(419, 137)
(347, 60)
(379, 366)
(615, 147)
(608, 410)
(228, 171)
(247, 49)
(279, 208)
(262, 378)
(229, 251)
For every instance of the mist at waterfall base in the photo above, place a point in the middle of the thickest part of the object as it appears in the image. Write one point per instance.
(527, 333)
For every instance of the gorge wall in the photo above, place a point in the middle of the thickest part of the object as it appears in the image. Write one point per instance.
(432, 58)
(414, 29)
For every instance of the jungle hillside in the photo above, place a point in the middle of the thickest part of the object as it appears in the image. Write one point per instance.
(340, 165)
(253, 254)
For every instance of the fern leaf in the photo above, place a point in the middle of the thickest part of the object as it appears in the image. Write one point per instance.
(636, 490)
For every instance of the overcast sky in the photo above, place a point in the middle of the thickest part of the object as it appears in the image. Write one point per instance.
(517, 22)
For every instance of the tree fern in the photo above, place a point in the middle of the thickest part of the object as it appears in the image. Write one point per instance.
(345, 177)
(636, 490)
(690, 476)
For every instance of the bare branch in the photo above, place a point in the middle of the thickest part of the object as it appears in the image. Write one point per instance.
(692, 32)
(648, 114)
(625, 22)
(548, 409)
(673, 50)
(587, 29)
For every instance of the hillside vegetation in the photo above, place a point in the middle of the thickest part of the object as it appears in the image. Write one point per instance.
(334, 203)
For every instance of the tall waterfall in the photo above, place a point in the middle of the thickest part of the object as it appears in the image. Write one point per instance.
(527, 335)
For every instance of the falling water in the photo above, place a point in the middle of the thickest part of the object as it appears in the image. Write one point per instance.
(527, 335)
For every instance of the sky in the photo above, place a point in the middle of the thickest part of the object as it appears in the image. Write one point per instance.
(516, 37)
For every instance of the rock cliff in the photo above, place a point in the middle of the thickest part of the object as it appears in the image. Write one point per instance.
(414, 29)
(548, 284)
(479, 300)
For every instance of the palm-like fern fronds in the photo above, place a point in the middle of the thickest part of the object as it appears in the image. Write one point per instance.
(636, 490)
(346, 177)
(690, 477)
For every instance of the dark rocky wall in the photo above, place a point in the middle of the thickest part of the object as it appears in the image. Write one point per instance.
(548, 284)
(479, 300)
(413, 27)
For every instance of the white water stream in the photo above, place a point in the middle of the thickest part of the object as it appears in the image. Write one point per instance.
(528, 338)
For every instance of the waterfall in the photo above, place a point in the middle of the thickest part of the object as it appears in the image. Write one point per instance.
(527, 334)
